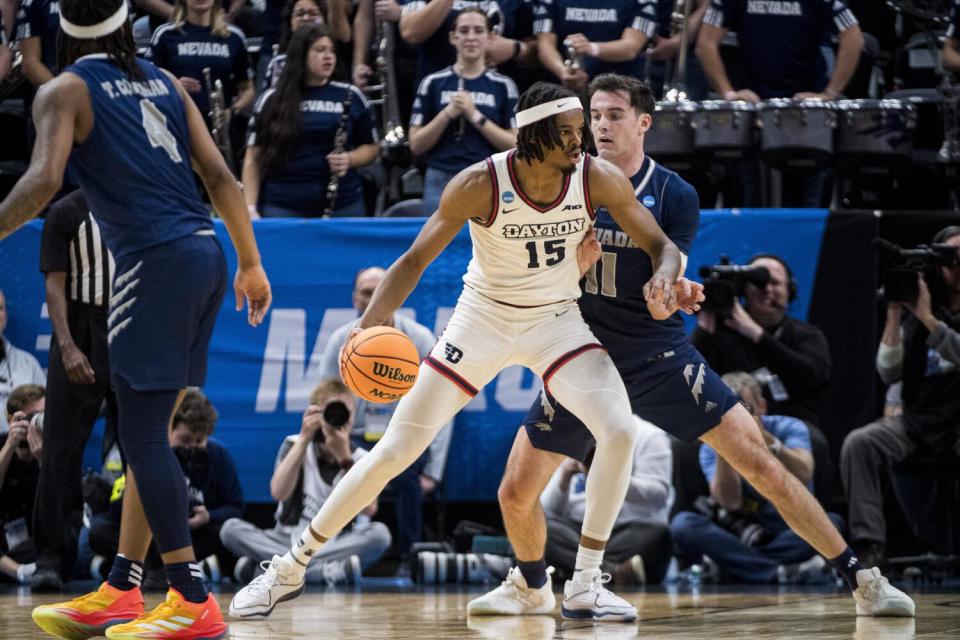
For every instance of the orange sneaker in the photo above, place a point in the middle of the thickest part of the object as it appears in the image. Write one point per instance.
(90, 615)
(176, 618)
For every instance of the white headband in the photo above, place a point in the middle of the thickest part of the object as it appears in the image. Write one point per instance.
(98, 30)
(547, 109)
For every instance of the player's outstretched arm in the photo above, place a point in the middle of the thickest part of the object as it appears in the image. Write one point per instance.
(611, 189)
(466, 196)
(251, 281)
(55, 112)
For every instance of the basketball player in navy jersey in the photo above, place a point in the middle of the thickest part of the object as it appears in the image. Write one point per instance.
(130, 133)
(528, 211)
(669, 383)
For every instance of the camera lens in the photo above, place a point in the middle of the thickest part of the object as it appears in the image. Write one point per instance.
(336, 414)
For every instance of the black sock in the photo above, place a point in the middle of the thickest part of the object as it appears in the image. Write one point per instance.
(125, 574)
(848, 565)
(187, 578)
(535, 573)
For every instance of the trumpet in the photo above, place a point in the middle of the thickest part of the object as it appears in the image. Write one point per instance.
(573, 60)
(339, 146)
(219, 127)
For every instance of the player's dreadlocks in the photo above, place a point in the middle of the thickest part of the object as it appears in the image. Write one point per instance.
(119, 45)
(534, 139)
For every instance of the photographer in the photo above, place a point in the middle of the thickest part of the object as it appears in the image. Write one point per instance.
(789, 357)
(20, 450)
(745, 536)
(921, 348)
(17, 367)
(308, 466)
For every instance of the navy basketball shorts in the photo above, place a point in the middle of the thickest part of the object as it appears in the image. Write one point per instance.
(676, 391)
(163, 306)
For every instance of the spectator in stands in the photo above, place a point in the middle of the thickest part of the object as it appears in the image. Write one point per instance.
(370, 421)
(781, 57)
(161, 11)
(923, 351)
(579, 39)
(746, 537)
(6, 56)
(299, 13)
(20, 451)
(663, 53)
(17, 367)
(291, 151)
(197, 38)
(789, 357)
(78, 294)
(463, 113)
(38, 23)
(523, 66)
(951, 45)
(308, 466)
(639, 548)
(213, 485)
(425, 24)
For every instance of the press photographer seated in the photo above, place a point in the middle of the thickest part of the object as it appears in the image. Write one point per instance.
(309, 464)
(20, 449)
(921, 348)
(743, 533)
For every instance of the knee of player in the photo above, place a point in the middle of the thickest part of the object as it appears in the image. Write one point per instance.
(516, 495)
(621, 433)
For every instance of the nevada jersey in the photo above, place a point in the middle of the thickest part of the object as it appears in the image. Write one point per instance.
(613, 303)
(134, 167)
(525, 254)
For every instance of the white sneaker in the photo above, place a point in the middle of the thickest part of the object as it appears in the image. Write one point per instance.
(589, 599)
(875, 596)
(514, 598)
(277, 584)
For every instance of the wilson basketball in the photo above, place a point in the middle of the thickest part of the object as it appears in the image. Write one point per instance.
(380, 364)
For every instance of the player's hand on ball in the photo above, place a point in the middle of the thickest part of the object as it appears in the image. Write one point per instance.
(251, 284)
(588, 252)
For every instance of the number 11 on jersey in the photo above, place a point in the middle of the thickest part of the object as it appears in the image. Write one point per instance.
(607, 268)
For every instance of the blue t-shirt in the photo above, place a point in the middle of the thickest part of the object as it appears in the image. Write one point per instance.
(780, 40)
(186, 51)
(436, 52)
(794, 434)
(953, 29)
(612, 302)
(302, 183)
(41, 19)
(134, 167)
(599, 21)
(493, 94)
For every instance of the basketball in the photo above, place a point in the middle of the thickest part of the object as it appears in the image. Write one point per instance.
(380, 364)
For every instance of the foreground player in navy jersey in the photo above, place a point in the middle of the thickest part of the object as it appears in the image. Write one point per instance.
(130, 133)
(668, 382)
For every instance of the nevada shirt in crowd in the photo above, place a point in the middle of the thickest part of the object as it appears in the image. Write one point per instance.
(780, 40)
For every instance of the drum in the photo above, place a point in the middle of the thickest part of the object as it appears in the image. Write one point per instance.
(874, 133)
(670, 139)
(725, 130)
(928, 134)
(796, 134)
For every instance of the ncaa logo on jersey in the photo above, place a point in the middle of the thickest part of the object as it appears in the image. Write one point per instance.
(507, 197)
(649, 201)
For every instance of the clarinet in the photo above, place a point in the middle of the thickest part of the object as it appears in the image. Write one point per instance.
(462, 126)
(339, 144)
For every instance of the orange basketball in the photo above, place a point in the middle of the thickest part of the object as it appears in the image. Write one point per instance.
(380, 364)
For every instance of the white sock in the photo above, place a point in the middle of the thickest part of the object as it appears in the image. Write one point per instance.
(587, 560)
(297, 559)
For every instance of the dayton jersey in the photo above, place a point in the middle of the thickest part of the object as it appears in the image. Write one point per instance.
(613, 303)
(494, 95)
(780, 40)
(599, 21)
(187, 50)
(525, 254)
(134, 167)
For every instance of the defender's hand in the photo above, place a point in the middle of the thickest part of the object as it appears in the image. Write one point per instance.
(251, 284)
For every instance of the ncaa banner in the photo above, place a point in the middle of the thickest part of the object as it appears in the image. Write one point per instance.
(259, 379)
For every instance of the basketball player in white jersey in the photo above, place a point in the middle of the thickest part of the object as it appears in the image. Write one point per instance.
(528, 209)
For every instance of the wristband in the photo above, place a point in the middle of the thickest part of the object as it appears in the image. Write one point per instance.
(478, 119)
(594, 50)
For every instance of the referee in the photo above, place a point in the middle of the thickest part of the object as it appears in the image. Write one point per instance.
(78, 269)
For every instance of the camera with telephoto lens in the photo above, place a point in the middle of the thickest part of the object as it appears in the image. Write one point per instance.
(900, 281)
(336, 414)
(723, 283)
(36, 419)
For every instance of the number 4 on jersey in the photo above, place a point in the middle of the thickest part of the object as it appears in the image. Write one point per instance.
(155, 126)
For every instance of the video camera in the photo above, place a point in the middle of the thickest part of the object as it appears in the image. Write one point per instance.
(336, 414)
(723, 283)
(900, 281)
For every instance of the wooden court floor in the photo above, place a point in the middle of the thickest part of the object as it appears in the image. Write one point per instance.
(441, 614)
